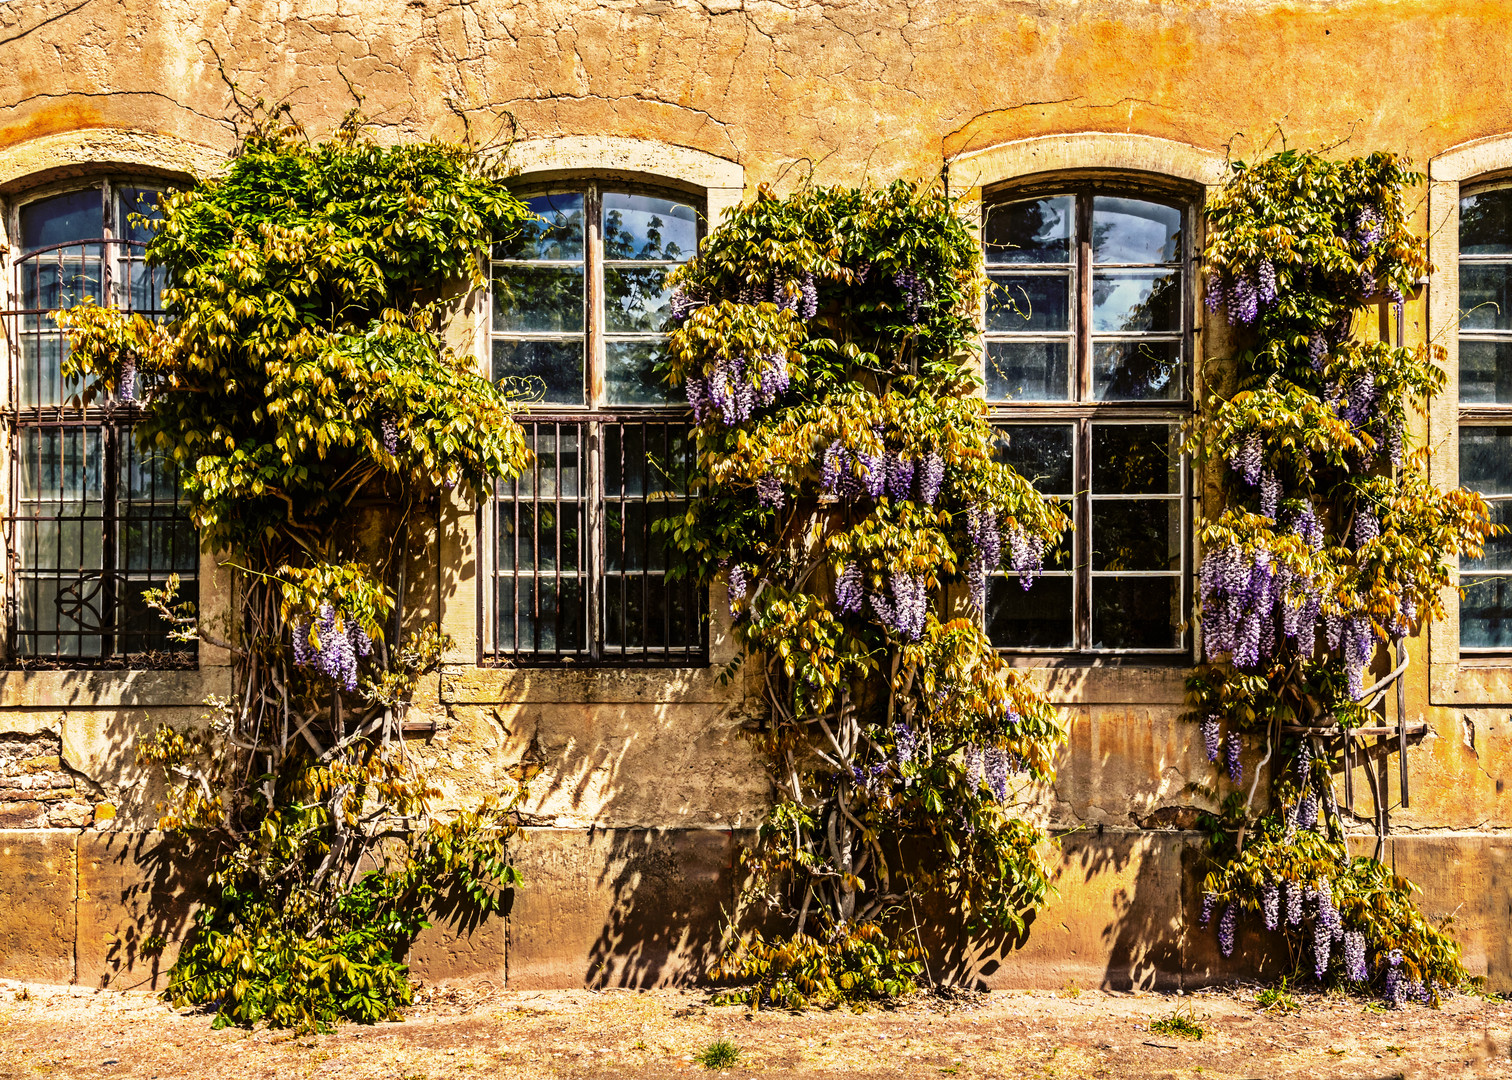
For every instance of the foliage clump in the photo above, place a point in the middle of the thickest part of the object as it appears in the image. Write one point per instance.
(849, 486)
(300, 386)
(853, 965)
(1332, 544)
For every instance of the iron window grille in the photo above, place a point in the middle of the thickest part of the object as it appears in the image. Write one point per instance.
(574, 564)
(1086, 349)
(94, 521)
(1485, 410)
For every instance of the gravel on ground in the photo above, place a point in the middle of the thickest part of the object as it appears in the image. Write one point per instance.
(476, 1031)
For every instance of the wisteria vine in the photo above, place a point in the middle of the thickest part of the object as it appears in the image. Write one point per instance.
(849, 491)
(1330, 549)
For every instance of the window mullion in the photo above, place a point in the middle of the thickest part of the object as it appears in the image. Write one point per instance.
(1081, 589)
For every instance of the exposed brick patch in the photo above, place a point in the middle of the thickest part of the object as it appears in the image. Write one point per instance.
(38, 791)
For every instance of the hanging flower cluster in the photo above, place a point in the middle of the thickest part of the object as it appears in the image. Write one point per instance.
(737, 386)
(337, 644)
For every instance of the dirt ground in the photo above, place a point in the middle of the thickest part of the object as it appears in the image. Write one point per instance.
(479, 1032)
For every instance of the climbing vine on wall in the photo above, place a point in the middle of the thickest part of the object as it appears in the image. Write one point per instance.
(848, 488)
(1331, 547)
(301, 388)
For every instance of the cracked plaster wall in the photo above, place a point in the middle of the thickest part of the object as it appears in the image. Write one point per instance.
(770, 92)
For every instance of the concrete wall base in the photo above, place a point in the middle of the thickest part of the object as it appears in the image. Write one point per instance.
(639, 908)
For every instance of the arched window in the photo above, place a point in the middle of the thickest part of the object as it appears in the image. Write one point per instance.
(1087, 350)
(94, 522)
(1485, 390)
(574, 565)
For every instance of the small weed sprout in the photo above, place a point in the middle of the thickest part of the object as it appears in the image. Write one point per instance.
(1180, 1025)
(1278, 999)
(719, 1054)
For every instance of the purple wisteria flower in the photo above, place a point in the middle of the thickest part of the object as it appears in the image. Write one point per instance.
(1270, 904)
(1304, 763)
(1266, 283)
(1235, 763)
(1209, 902)
(1247, 458)
(916, 293)
(1026, 554)
(1354, 956)
(681, 303)
(1317, 350)
(1367, 226)
(996, 769)
(905, 743)
(1243, 301)
(808, 304)
(931, 473)
(900, 476)
(904, 610)
(1212, 738)
(389, 428)
(127, 390)
(849, 592)
(986, 551)
(974, 765)
(770, 492)
(1226, 926)
(1212, 294)
(849, 475)
(340, 641)
(739, 586)
(1270, 493)
(1293, 903)
(1307, 811)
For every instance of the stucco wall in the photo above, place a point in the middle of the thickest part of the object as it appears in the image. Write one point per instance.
(721, 96)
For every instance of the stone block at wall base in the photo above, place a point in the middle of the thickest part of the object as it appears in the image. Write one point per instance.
(640, 908)
(136, 901)
(38, 877)
(619, 907)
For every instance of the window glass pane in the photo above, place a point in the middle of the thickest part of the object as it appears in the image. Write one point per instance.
(59, 279)
(1040, 453)
(1028, 370)
(646, 227)
(1498, 553)
(537, 298)
(1136, 613)
(1133, 231)
(1486, 459)
(60, 464)
(1136, 370)
(635, 298)
(1136, 459)
(1036, 231)
(63, 219)
(1486, 223)
(1485, 371)
(1035, 618)
(630, 376)
(546, 371)
(1485, 296)
(139, 203)
(1029, 303)
(1126, 301)
(558, 234)
(539, 592)
(1486, 613)
(1130, 534)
